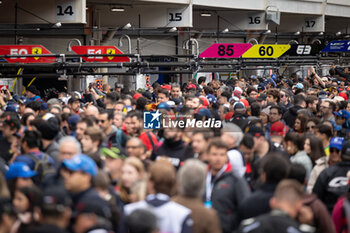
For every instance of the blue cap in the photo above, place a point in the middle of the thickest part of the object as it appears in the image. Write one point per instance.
(299, 86)
(204, 112)
(73, 120)
(164, 105)
(211, 98)
(82, 163)
(44, 106)
(273, 76)
(336, 142)
(19, 169)
(342, 113)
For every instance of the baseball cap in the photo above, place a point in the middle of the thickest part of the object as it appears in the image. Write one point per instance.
(245, 102)
(205, 101)
(164, 105)
(256, 131)
(191, 86)
(299, 86)
(55, 199)
(82, 163)
(73, 120)
(345, 152)
(48, 129)
(113, 152)
(344, 95)
(12, 121)
(74, 97)
(168, 87)
(261, 97)
(32, 89)
(337, 143)
(278, 128)
(204, 112)
(342, 113)
(93, 205)
(238, 106)
(136, 96)
(19, 169)
(212, 98)
(322, 95)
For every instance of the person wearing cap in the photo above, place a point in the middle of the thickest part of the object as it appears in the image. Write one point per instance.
(19, 175)
(91, 215)
(333, 182)
(10, 126)
(278, 131)
(342, 122)
(114, 159)
(74, 103)
(54, 212)
(240, 115)
(32, 94)
(261, 99)
(172, 217)
(335, 147)
(8, 215)
(77, 174)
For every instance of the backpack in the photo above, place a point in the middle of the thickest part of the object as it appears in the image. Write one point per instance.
(43, 166)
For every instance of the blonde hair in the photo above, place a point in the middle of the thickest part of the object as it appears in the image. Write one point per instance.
(138, 165)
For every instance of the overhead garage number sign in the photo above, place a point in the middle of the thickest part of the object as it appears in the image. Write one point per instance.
(225, 50)
(14, 50)
(98, 50)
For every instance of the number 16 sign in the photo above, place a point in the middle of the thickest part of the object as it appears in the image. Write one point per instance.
(225, 50)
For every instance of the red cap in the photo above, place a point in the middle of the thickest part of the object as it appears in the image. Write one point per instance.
(344, 95)
(191, 86)
(205, 101)
(168, 87)
(278, 128)
(136, 96)
(245, 102)
(228, 116)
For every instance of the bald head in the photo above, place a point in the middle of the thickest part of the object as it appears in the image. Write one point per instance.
(92, 110)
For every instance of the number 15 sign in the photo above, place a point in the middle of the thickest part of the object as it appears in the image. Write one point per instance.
(225, 50)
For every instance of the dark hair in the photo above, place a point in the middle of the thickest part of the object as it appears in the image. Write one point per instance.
(134, 113)
(331, 105)
(303, 123)
(248, 141)
(201, 79)
(32, 138)
(87, 120)
(296, 139)
(35, 105)
(208, 90)
(275, 166)
(163, 91)
(141, 221)
(33, 194)
(325, 129)
(299, 99)
(297, 172)
(109, 112)
(226, 94)
(141, 103)
(251, 89)
(275, 93)
(207, 133)
(311, 99)
(113, 97)
(217, 143)
(279, 109)
(317, 150)
(255, 109)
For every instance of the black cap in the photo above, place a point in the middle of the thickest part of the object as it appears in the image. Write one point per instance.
(93, 205)
(256, 131)
(345, 152)
(48, 129)
(147, 95)
(55, 200)
(32, 89)
(12, 121)
(261, 97)
(74, 97)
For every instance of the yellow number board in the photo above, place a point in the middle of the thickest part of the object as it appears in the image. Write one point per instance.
(266, 51)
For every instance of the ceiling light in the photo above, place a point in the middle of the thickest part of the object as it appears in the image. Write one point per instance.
(117, 9)
(268, 32)
(225, 30)
(206, 14)
(338, 33)
(297, 33)
(321, 33)
(57, 25)
(174, 29)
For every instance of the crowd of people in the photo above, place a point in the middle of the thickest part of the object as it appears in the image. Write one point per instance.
(277, 161)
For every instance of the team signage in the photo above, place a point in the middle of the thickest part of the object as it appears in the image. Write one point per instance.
(98, 50)
(304, 50)
(266, 51)
(26, 50)
(337, 46)
(225, 50)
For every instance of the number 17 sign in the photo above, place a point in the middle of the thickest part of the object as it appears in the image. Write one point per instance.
(225, 50)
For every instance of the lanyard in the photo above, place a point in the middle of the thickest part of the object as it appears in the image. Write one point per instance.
(210, 184)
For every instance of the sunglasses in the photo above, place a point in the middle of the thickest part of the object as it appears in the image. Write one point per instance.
(102, 121)
(334, 150)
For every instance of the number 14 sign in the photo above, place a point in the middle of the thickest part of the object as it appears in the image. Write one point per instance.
(225, 50)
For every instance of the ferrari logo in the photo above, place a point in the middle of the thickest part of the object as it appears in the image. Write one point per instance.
(37, 51)
(110, 51)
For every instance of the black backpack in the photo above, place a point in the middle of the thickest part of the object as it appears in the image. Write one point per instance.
(43, 166)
